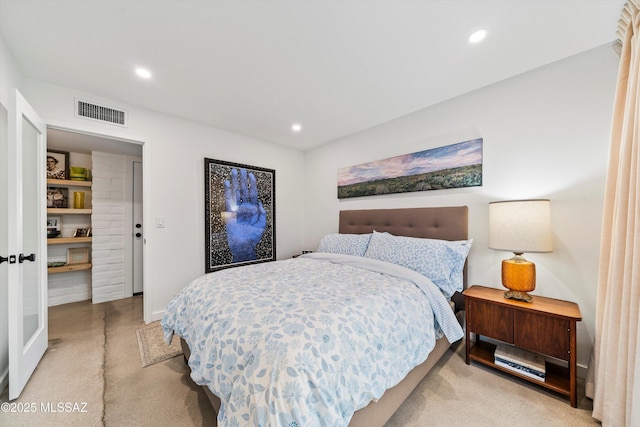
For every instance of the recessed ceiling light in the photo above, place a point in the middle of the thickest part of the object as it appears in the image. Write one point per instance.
(143, 72)
(296, 127)
(477, 36)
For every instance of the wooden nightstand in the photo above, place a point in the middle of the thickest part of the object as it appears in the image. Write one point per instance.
(546, 326)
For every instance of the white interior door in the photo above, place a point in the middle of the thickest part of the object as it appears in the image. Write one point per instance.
(4, 247)
(26, 271)
(138, 229)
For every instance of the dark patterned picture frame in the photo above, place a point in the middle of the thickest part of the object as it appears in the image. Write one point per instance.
(240, 214)
(57, 164)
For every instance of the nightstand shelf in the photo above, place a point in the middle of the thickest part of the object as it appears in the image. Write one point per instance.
(557, 377)
(545, 326)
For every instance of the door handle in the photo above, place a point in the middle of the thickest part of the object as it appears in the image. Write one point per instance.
(138, 225)
(10, 258)
(138, 234)
(22, 258)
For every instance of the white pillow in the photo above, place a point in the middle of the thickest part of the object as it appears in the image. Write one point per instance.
(346, 244)
(442, 261)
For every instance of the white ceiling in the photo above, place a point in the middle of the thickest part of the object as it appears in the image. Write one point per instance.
(75, 142)
(255, 67)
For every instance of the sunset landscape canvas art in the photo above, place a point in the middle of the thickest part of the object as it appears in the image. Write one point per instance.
(451, 166)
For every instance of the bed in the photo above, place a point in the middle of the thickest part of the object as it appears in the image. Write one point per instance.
(333, 361)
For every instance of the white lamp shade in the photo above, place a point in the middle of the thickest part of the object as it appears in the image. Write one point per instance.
(520, 226)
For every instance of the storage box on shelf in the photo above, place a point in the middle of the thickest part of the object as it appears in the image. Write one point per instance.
(84, 186)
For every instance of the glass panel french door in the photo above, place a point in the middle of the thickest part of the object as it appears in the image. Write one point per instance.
(27, 274)
(4, 245)
(32, 227)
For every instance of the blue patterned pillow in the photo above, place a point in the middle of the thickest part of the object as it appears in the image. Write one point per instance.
(442, 261)
(346, 244)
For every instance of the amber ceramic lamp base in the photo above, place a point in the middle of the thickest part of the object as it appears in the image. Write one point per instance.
(519, 276)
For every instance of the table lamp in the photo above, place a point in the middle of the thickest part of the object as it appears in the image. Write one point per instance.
(520, 226)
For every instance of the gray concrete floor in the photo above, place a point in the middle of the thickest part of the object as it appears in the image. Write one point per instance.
(92, 367)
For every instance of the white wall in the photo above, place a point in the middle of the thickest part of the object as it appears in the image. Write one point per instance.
(174, 151)
(546, 135)
(10, 74)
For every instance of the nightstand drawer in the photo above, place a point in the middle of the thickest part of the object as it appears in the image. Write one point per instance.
(490, 320)
(542, 334)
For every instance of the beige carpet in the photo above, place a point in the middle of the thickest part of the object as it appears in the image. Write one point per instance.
(152, 346)
(457, 394)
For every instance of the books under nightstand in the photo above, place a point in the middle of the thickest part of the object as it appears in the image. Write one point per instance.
(521, 361)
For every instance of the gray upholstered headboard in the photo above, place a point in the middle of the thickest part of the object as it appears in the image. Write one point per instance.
(446, 223)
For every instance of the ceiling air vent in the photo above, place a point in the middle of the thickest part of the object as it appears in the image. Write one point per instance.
(101, 113)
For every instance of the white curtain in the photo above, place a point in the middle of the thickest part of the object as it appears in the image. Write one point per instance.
(614, 373)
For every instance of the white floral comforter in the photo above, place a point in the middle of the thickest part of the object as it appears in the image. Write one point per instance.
(307, 341)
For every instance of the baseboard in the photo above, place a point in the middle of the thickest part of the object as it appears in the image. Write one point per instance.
(4, 380)
(157, 315)
(581, 371)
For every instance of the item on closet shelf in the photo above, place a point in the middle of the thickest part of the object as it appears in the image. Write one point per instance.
(82, 232)
(57, 164)
(77, 255)
(78, 199)
(54, 226)
(78, 173)
(57, 197)
(56, 261)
